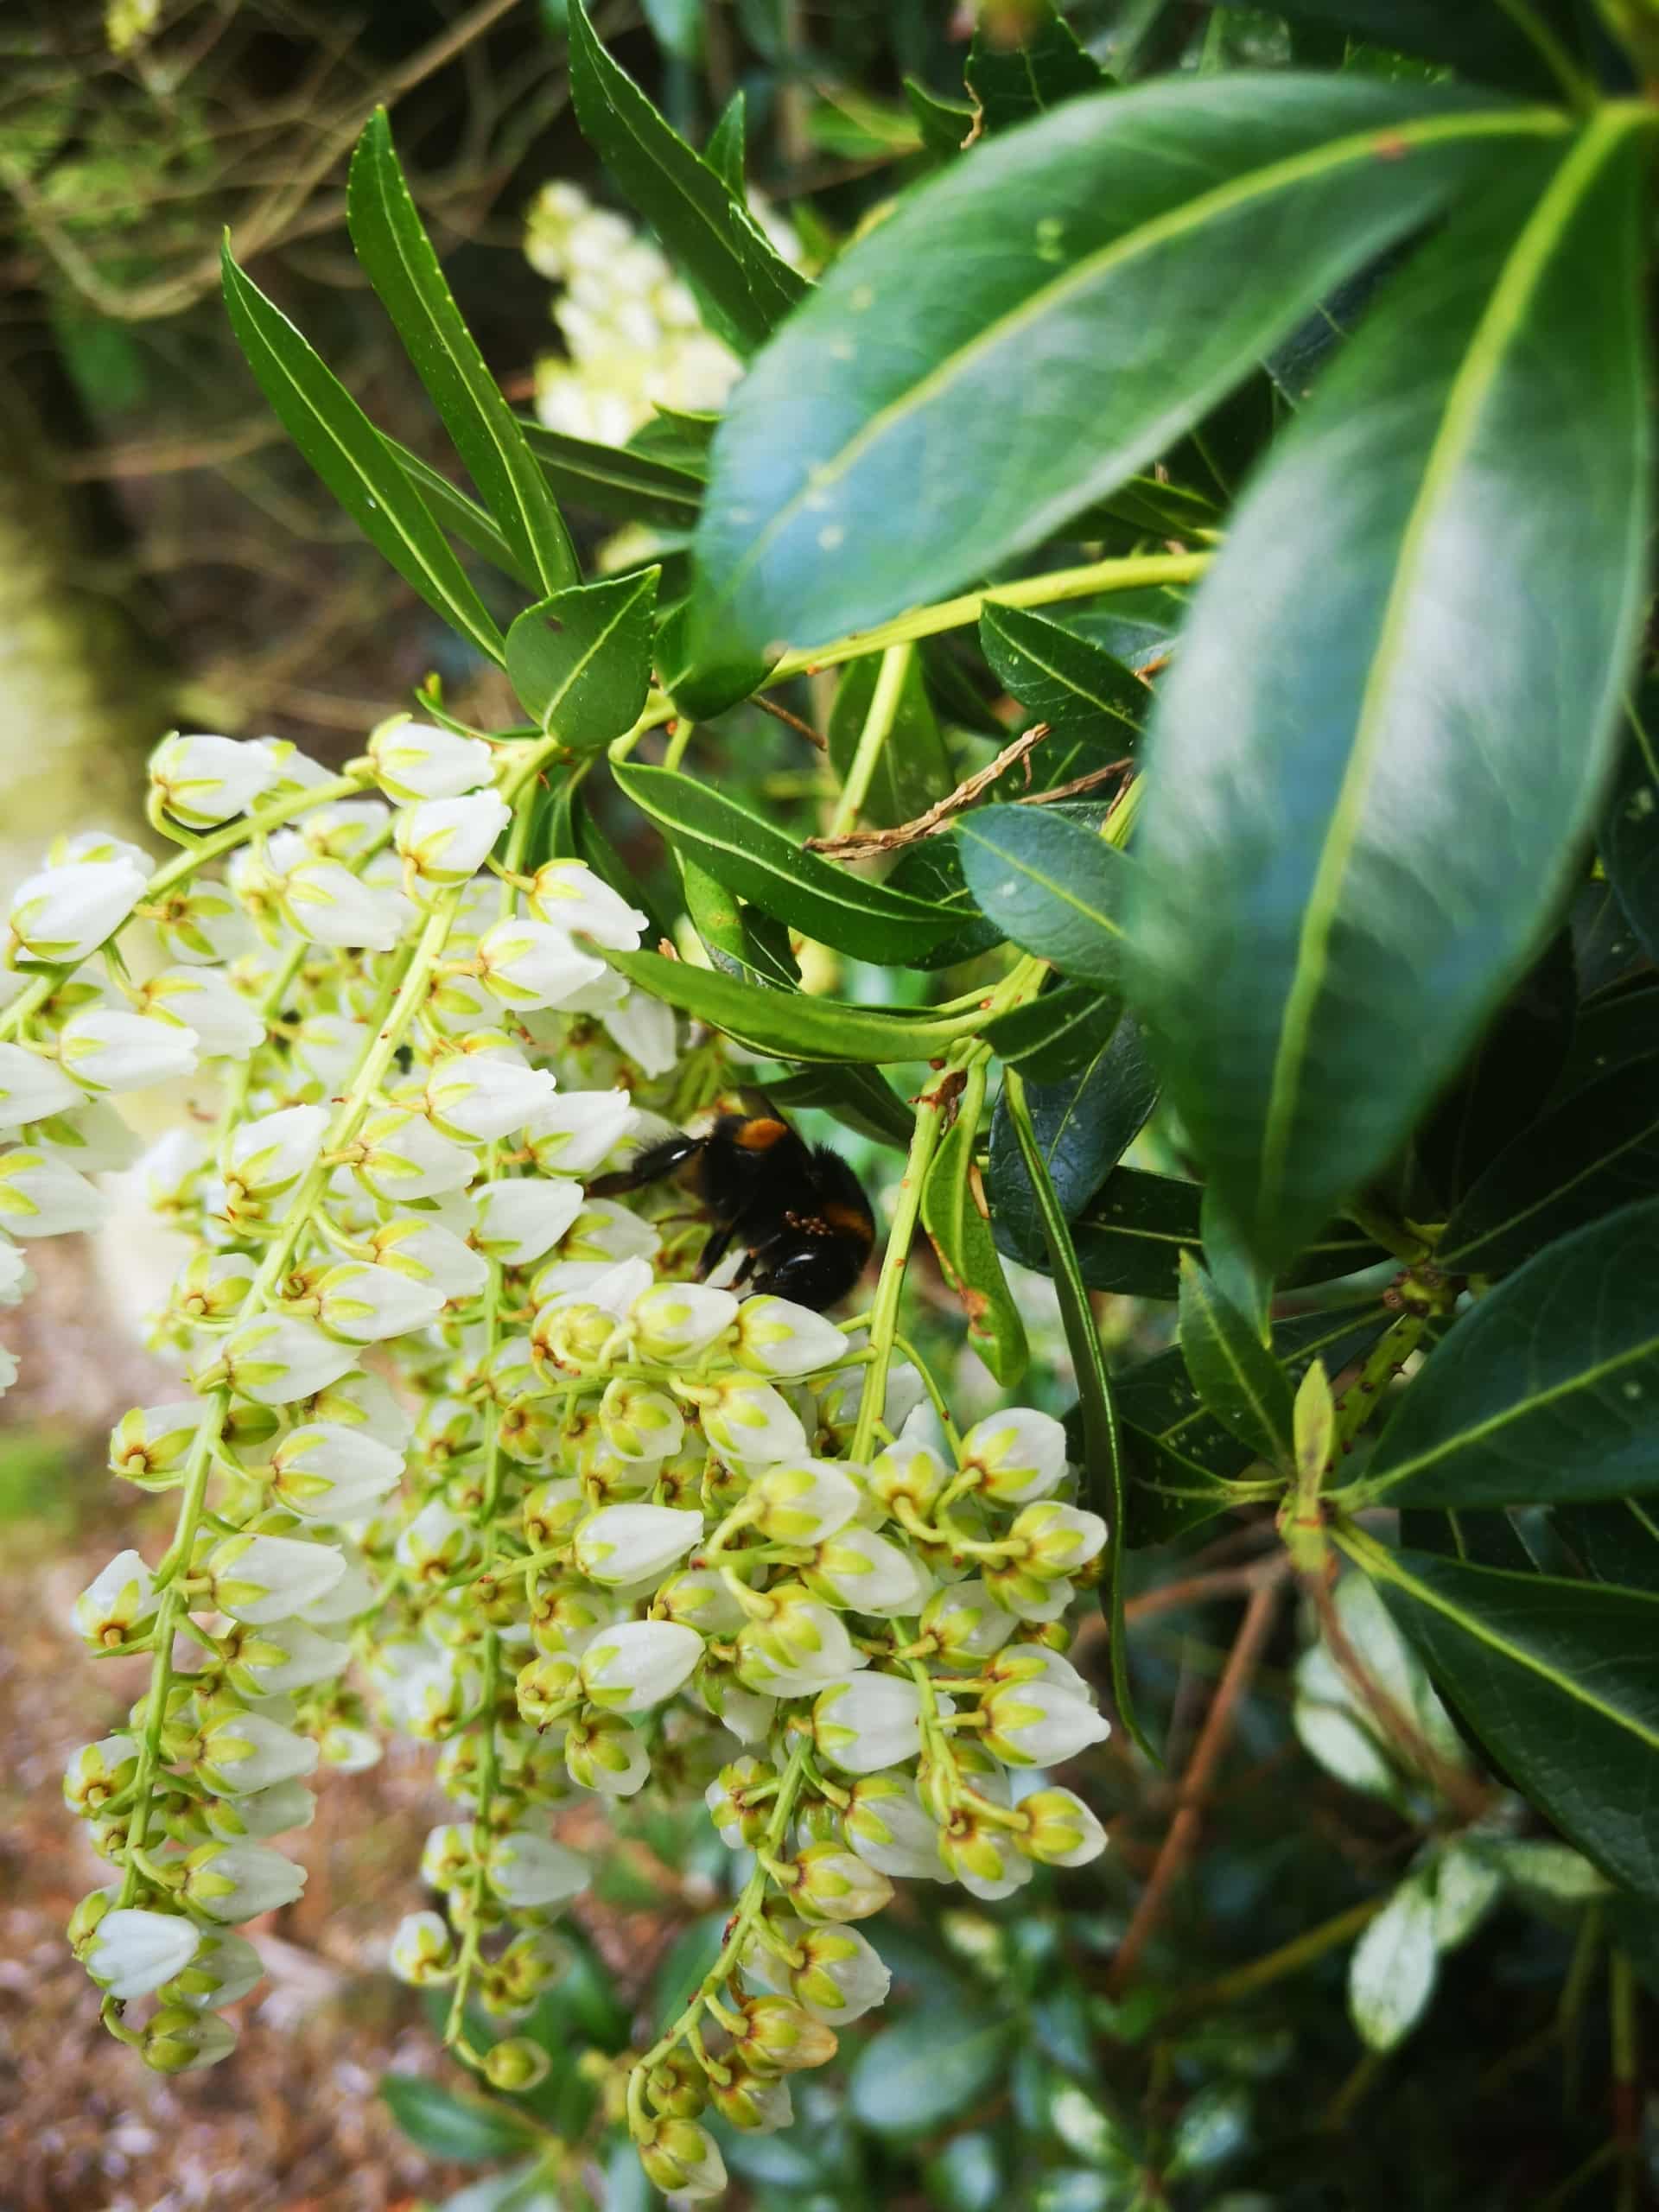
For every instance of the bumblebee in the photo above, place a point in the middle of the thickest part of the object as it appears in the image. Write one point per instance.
(798, 1208)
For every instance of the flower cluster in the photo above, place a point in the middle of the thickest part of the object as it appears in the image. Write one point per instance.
(634, 340)
(459, 1431)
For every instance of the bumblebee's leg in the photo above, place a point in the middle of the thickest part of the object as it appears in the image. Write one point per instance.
(653, 1165)
(712, 1253)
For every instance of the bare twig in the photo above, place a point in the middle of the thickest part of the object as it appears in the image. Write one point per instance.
(782, 714)
(861, 844)
(1178, 1845)
(1077, 785)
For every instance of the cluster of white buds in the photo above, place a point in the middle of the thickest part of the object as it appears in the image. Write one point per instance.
(456, 1428)
(634, 340)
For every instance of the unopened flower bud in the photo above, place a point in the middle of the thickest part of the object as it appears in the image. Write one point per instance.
(134, 1951)
(328, 1473)
(1015, 1456)
(635, 1543)
(547, 1688)
(983, 1855)
(525, 1870)
(32, 1088)
(639, 1421)
(841, 1976)
(804, 1504)
(327, 903)
(781, 2037)
(676, 2084)
(835, 1884)
(887, 1826)
(422, 1950)
(605, 1752)
(223, 1969)
(1057, 1538)
(63, 914)
(268, 1155)
(205, 1002)
(448, 1855)
(796, 1647)
(264, 1579)
(751, 1423)
(438, 1543)
(516, 2064)
(365, 1304)
(399, 1157)
(238, 1881)
(674, 1321)
(873, 1720)
(911, 1471)
(40, 1196)
(682, 2159)
(1063, 1832)
(520, 1219)
(965, 1622)
(867, 1574)
(637, 1664)
(444, 841)
(568, 894)
(777, 1337)
(479, 1097)
(246, 1751)
(274, 1360)
(202, 780)
(1039, 1724)
(177, 2040)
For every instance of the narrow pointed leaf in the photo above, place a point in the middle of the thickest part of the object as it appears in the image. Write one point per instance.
(1052, 885)
(960, 1234)
(1319, 934)
(1053, 1036)
(723, 922)
(1560, 1681)
(614, 480)
(1629, 829)
(859, 1099)
(1067, 680)
(1144, 248)
(769, 868)
(706, 226)
(461, 516)
(581, 660)
(392, 245)
(350, 457)
(1233, 1371)
(1082, 1125)
(789, 1025)
(725, 151)
(1104, 1484)
(1549, 1391)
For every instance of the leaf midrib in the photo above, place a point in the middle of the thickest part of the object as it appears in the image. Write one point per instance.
(1114, 709)
(1055, 890)
(1644, 1135)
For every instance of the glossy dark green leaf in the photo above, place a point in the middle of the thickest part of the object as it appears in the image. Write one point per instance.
(944, 124)
(1477, 1539)
(768, 867)
(789, 1025)
(706, 226)
(1559, 1678)
(1614, 1541)
(615, 481)
(348, 454)
(1606, 949)
(679, 437)
(1233, 1371)
(1052, 886)
(581, 660)
(1142, 247)
(1242, 1281)
(1130, 1235)
(1595, 1151)
(914, 768)
(960, 1232)
(721, 920)
(1490, 42)
(1053, 1035)
(1084, 1125)
(1629, 828)
(1010, 83)
(1067, 680)
(933, 871)
(1318, 941)
(1101, 1435)
(1548, 1390)
(1503, 1084)
(450, 2126)
(726, 152)
(1617, 1028)
(927, 2069)
(461, 516)
(859, 1099)
(396, 252)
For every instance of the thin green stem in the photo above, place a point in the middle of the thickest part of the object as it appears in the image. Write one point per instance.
(873, 738)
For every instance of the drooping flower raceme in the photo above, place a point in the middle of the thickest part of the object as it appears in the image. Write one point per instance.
(604, 1528)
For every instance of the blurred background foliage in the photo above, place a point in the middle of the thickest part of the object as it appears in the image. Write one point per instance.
(166, 558)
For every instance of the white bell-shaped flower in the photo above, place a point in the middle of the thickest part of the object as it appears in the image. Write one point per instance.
(327, 1473)
(644, 1028)
(624, 1544)
(94, 1140)
(478, 1097)
(364, 1403)
(984, 1858)
(967, 1621)
(244, 1752)
(1014, 1456)
(444, 841)
(572, 1132)
(325, 903)
(84, 845)
(108, 1051)
(1062, 1831)
(40, 1196)
(422, 1951)
(637, 1664)
(33, 1087)
(841, 1975)
(804, 1504)
(1039, 1724)
(268, 1155)
(674, 1321)
(205, 1001)
(63, 914)
(202, 780)
(150, 1444)
(264, 1579)
(573, 899)
(274, 1360)
(836, 1885)
(401, 1158)
(872, 1721)
(430, 1253)
(292, 770)
(1060, 1538)
(868, 1573)
(117, 1601)
(751, 1424)
(284, 1656)
(520, 1218)
(233, 1882)
(797, 1647)
(261, 1814)
(365, 1304)
(134, 1951)
(527, 964)
(776, 1337)
(889, 1828)
(526, 1871)
(222, 1971)
(415, 760)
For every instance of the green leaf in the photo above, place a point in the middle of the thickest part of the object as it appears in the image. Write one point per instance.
(1617, 1542)
(1067, 680)
(1629, 828)
(931, 871)
(1054, 1034)
(1056, 888)
(348, 454)
(789, 1025)
(1490, 41)
(1597, 1151)
(944, 124)
(706, 226)
(769, 868)
(1233, 1371)
(722, 921)
(959, 1230)
(928, 2068)
(1611, 1034)
(1547, 1392)
(873, 458)
(725, 151)
(1605, 948)
(392, 245)
(1505, 1083)
(450, 2126)
(1560, 1681)
(857, 1097)
(1318, 941)
(914, 768)
(615, 481)
(1103, 1482)
(1010, 84)
(463, 517)
(581, 660)
(1083, 1124)
(1240, 1281)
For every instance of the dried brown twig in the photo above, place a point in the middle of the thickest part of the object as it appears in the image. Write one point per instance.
(865, 844)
